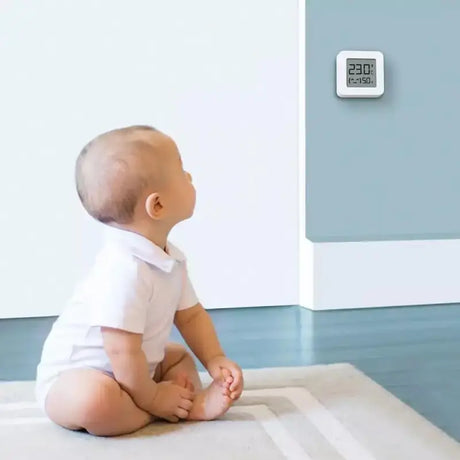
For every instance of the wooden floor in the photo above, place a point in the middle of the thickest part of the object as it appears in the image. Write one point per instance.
(414, 352)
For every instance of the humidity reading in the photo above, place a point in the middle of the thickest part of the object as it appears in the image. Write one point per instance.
(361, 73)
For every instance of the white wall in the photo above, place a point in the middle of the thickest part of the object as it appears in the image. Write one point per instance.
(220, 77)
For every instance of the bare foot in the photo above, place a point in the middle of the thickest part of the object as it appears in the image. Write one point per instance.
(210, 403)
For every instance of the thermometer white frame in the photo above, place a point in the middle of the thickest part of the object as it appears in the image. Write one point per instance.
(352, 91)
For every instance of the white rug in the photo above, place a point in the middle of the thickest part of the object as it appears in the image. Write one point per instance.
(313, 413)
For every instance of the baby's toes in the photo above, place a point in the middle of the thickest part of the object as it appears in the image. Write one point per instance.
(226, 392)
(227, 378)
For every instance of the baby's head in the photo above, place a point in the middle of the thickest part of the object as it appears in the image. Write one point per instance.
(133, 178)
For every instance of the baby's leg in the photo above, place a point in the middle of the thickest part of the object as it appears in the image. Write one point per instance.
(179, 366)
(90, 400)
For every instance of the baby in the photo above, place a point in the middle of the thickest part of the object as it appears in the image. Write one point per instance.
(107, 366)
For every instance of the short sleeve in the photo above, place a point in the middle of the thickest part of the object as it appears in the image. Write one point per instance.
(120, 298)
(188, 297)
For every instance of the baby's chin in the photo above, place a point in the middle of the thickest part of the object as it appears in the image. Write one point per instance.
(189, 215)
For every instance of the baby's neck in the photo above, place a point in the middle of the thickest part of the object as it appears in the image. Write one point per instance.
(158, 236)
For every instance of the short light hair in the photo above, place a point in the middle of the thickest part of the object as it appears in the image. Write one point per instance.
(107, 179)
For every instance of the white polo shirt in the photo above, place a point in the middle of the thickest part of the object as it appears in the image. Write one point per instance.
(134, 285)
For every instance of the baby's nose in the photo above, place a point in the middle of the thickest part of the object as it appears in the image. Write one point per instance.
(189, 177)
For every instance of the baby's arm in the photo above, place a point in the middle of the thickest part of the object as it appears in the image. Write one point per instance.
(165, 399)
(196, 326)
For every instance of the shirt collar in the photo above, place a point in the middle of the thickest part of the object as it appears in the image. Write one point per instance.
(146, 250)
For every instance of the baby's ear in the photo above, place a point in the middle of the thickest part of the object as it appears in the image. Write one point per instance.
(153, 206)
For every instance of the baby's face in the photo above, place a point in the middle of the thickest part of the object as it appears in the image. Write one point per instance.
(181, 193)
(178, 195)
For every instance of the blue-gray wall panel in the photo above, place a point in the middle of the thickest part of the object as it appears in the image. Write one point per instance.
(387, 168)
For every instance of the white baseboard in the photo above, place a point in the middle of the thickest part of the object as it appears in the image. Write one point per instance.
(379, 273)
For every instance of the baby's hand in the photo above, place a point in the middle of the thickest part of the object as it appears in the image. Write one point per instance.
(228, 374)
(171, 402)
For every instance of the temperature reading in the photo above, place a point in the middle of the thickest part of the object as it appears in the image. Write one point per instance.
(361, 73)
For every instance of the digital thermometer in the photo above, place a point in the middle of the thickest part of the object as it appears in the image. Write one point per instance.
(360, 74)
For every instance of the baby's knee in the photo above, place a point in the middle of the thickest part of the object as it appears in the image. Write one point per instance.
(175, 352)
(98, 406)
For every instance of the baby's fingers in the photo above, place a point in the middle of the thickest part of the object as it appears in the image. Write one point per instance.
(181, 413)
(227, 378)
(237, 378)
(236, 394)
(186, 394)
(186, 404)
